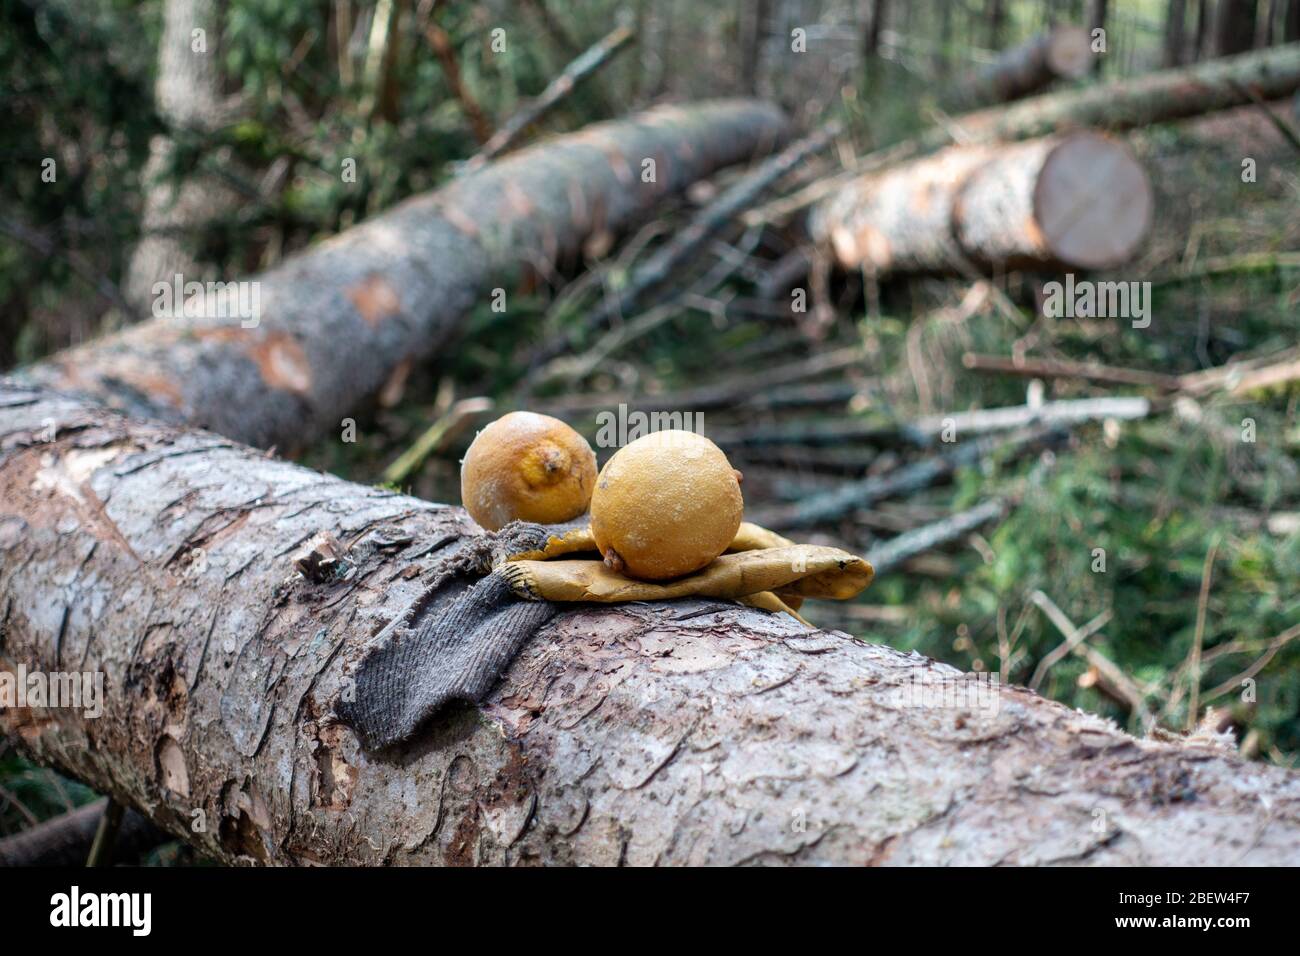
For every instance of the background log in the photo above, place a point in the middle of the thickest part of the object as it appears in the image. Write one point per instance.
(676, 732)
(1125, 104)
(336, 320)
(1064, 52)
(1080, 200)
(65, 840)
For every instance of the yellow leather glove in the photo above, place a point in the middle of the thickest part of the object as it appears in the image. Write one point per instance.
(761, 569)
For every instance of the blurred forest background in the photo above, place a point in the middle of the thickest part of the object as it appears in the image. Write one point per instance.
(226, 171)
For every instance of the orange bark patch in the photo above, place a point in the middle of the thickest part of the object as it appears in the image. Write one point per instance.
(375, 299)
(282, 362)
(459, 221)
(518, 202)
(149, 382)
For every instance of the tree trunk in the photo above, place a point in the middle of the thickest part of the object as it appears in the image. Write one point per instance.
(1175, 33)
(1154, 98)
(1096, 18)
(995, 15)
(1062, 53)
(1234, 26)
(871, 31)
(672, 733)
(178, 208)
(753, 26)
(1079, 201)
(1291, 24)
(335, 321)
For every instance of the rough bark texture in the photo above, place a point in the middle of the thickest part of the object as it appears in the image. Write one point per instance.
(1080, 200)
(338, 319)
(678, 732)
(1062, 53)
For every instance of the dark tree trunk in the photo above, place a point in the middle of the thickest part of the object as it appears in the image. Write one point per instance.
(753, 24)
(1096, 19)
(1204, 11)
(1175, 33)
(995, 19)
(1234, 26)
(874, 25)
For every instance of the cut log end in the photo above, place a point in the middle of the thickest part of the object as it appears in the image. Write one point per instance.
(1093, 202)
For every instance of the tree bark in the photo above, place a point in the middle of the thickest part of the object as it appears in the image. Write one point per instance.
(178, 208)
(1079, 201)
(338, 319)
(670, 733)
(1061, 53)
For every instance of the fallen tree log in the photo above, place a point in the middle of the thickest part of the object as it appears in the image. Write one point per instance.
(1064, 52)
(674, 732)
(1075, 201)
(65, 840)
(337, 320)
(1123, 105)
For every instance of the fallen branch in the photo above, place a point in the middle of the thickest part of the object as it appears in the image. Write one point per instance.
(687, 243)
(889, 555)
(1064, 368)
(1117, 685)
(584, 66)
(443, 48)
(833, 504)
(435, 437)
(633, 734)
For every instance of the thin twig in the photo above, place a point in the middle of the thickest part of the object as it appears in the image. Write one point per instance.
(437, 434)
(1228, 686)
(101, 849)
(1063, 368)
(1198, 639)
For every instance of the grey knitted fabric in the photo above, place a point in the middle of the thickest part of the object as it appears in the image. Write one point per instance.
(453, 653)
